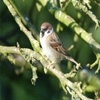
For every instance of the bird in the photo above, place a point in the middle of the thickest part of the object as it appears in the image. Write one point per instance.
(52, 45)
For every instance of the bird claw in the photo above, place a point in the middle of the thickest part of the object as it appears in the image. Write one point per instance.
(51, 65)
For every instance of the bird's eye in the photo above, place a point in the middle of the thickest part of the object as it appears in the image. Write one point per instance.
(48, 32)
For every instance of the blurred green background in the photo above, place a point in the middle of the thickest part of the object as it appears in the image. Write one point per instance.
(19, 87)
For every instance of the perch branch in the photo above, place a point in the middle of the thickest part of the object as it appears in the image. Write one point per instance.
(66, 83)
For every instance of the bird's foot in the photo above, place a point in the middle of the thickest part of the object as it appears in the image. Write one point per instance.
(51, 65)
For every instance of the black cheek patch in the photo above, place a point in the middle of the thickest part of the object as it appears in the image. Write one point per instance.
(42, 33)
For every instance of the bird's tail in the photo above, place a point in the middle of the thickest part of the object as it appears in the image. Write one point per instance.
(68, 57)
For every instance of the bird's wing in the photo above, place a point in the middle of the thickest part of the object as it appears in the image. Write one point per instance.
(56, 44)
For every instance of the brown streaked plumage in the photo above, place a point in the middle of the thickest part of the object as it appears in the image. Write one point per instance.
(51, 44)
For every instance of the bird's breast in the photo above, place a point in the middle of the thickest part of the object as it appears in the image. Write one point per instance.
(51, 53)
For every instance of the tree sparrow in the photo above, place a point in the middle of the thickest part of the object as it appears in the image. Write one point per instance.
(52, 46)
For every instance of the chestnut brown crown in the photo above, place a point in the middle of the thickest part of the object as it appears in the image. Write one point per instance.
(46, 28)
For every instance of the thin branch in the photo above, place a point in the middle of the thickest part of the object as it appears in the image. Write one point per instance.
(37, 54)
(85, 7)
(70, 22)
(67, 83)
(33, 41)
